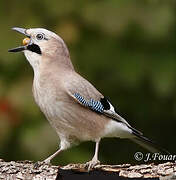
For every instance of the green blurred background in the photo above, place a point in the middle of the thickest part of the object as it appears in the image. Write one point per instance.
(125, 48)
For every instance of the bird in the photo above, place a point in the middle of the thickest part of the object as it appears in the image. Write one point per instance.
(73, 106)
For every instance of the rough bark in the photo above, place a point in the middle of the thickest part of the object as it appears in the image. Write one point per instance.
(27, 170)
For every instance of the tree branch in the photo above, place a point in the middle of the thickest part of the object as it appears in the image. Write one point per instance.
(27, 170)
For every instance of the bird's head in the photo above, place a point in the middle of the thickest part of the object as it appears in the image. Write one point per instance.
(41, 45)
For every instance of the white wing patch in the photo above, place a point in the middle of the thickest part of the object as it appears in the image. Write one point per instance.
(111, 107)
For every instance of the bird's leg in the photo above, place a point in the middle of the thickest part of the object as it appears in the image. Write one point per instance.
(91, 164)
(47, 160)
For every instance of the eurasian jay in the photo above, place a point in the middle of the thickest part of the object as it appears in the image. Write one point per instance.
(73, 106)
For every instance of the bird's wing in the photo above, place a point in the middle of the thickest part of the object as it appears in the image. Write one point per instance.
(88, 96)
(101, 106)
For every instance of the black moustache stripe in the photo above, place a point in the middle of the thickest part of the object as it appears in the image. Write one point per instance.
(34, 48)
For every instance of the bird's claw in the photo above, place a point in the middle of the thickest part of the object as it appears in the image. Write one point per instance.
(37, 164)
(40, 163)
(91, 164)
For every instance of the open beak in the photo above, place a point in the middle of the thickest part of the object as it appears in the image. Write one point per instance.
(26, 41)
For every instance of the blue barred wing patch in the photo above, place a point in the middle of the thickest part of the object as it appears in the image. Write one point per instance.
(92, 104)
(96, 105)
(81, 99)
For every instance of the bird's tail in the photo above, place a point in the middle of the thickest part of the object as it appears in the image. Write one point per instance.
(147, 143)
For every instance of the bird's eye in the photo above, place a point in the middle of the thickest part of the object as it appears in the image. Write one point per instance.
(40, 36)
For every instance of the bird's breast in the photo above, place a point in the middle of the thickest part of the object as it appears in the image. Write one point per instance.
(66, 115)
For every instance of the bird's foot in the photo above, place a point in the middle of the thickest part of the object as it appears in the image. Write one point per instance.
(91, 164)
(47, 161)
(41, 163)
